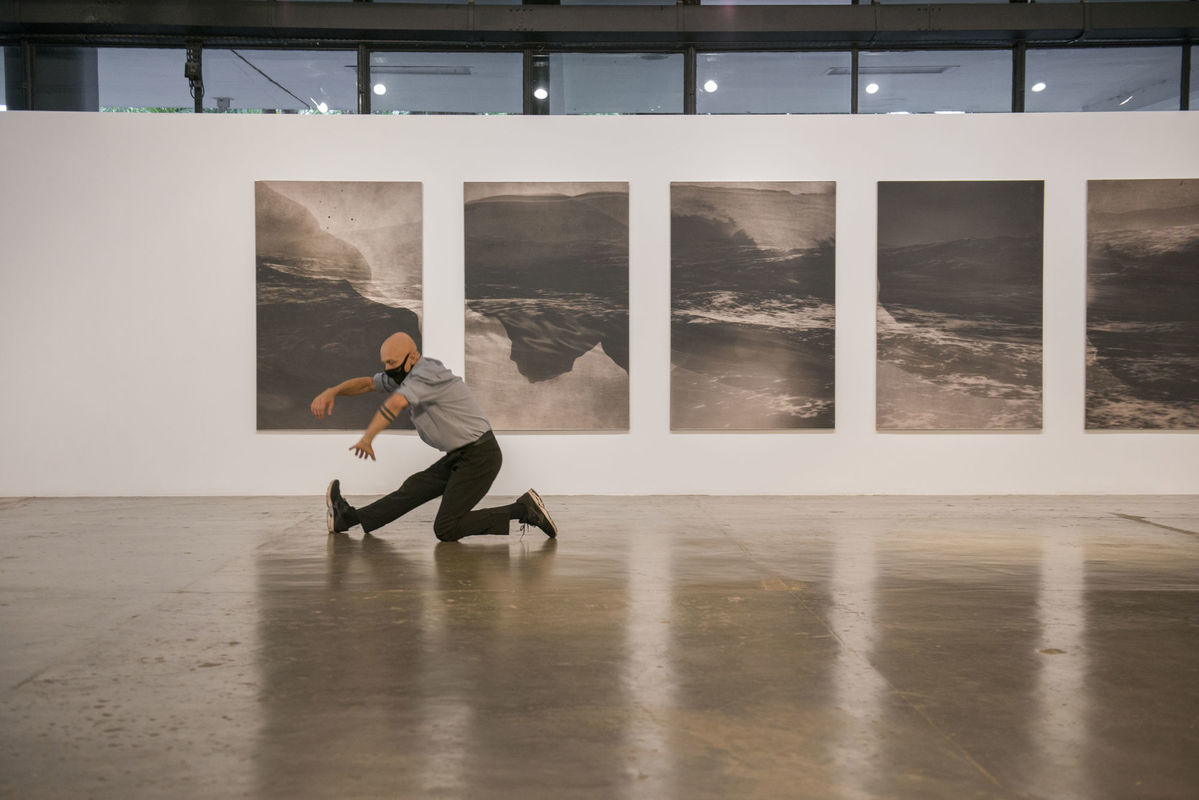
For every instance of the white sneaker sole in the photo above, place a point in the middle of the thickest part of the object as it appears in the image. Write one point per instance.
(329, 505)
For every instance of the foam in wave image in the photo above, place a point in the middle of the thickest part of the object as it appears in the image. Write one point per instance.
(752, 306)
(959, 328)
(1142, 305)
(547, 304)
(338, 270)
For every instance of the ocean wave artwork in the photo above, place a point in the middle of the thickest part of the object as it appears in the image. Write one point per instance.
(547, 304)
(959, 313)
(338, 270)
(752, 319)
(1142, 352)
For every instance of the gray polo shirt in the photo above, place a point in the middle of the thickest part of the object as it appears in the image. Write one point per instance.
(443, 409)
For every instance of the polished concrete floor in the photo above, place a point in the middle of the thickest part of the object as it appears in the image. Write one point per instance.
(684, 647)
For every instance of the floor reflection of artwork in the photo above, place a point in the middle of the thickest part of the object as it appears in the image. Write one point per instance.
(1143, 304)
(338, 270)
(959, 305)
(547, 304)
(752, 305)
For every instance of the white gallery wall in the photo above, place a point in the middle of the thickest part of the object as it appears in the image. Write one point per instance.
(127, 313)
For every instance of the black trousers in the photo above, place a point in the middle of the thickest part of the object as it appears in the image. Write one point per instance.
(461, 478)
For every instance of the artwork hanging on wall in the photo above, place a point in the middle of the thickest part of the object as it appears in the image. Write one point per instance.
(959, 331)
(1142, 304)
(753, 275)
(547, 304)
(338, 271)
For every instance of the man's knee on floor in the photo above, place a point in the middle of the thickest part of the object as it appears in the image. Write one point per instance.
(446, 530)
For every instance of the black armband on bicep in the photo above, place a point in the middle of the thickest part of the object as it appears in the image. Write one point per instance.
(387, 413)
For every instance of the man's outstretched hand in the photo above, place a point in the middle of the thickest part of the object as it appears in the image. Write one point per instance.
(322, 404)
(363, 449)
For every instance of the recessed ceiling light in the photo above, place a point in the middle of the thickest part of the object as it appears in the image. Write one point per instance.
(380, 89)
(1039, 86)
(540, 93)
(871, 88)
(710, 86)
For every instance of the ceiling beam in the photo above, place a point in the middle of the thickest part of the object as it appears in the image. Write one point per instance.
(672, 26)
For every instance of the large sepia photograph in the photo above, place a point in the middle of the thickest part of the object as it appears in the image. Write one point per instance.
(959, 330)
(547, 304)
(338, 270)
(1143, 305)
(752, 331)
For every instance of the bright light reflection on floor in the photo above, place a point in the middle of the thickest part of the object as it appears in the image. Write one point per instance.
(858, 687)
(447, 720)
(1061, 729)
(649, 676)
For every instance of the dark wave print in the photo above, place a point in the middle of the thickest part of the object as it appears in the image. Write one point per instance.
(959, 335)
(314, 333)
(752, 307)
(1143, 328)
(547, 322)
(757, 357)
(553, 270)
(549, 334)
(729, 376)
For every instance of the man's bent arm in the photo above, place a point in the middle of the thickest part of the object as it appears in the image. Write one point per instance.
(322, 404)
(386, 415)
(356, 386)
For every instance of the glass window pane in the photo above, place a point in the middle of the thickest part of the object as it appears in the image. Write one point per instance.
(772, 83)
(64, 78)
(616, 83)
(935, 81)
(1195, 78)
(143, 80)
(281, 81)
(1103, 79)
(4, 78)
(447, 83)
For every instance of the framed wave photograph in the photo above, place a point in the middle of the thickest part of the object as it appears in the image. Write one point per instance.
(1142, 305)
(959, 312)
(338, 270)
(547, 304)
(752, 316)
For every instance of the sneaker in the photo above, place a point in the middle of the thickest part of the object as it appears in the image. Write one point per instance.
(535, 513)
(336, 509)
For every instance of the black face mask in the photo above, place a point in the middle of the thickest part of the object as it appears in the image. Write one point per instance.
(398, 374)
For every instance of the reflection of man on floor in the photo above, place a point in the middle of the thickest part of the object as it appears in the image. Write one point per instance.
(447, 417)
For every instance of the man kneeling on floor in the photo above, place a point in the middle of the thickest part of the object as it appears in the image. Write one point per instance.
(447, 417)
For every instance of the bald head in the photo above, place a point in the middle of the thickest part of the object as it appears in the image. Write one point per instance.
(399, 350)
